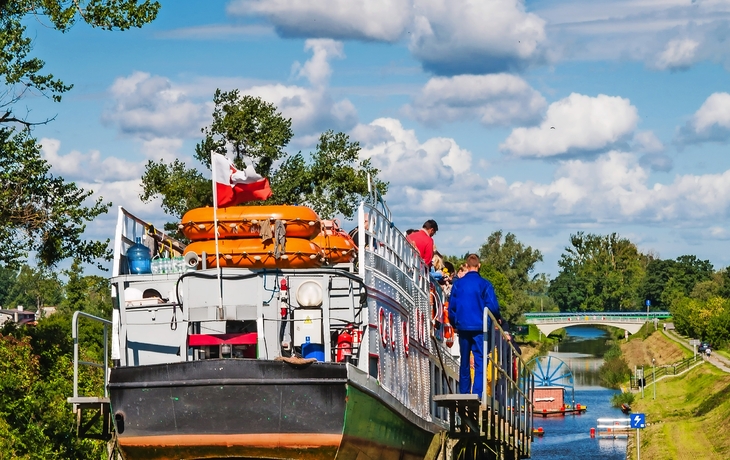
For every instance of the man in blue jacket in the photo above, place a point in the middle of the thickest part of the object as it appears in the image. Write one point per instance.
(470, 295)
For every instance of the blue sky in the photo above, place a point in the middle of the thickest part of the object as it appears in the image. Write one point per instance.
(540, 118)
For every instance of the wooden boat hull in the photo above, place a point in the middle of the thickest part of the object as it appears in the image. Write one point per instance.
(252, 253)
(244, 221)
(247, 408)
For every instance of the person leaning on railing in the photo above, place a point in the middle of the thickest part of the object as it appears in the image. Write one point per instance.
(470, 295)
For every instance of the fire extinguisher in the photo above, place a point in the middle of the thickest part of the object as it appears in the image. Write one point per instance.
(344, 344)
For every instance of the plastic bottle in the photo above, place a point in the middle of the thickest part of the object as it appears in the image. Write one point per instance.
(139, 258)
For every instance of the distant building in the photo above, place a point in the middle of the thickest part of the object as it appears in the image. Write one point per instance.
(17, 315)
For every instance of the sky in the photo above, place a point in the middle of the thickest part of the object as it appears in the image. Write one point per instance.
(541, 118)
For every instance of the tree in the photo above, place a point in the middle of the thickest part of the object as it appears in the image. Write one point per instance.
(331, 182)
(23, 74)
(40, 212)
(514, 261)
(35, 288)
(599, 273)
(91, 294)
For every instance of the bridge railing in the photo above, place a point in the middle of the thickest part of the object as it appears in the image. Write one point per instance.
(596, 316)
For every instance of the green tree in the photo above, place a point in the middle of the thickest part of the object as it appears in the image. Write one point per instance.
(35, 288)
(21, 73)
(91, 294)
(332, 181)
(606, 270)
(515, 262)
(40, 212)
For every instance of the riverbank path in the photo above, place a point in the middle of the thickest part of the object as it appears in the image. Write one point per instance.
(715, 359)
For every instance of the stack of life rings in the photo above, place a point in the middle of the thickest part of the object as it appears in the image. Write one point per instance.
(278, 236)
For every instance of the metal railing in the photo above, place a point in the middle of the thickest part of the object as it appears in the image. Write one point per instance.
(105, 365)
(534, 318)
(654, 373)
(508, 387)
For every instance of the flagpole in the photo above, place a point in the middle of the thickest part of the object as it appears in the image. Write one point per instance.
(215, 231)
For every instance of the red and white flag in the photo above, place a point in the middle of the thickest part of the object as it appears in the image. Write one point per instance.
(233, 187)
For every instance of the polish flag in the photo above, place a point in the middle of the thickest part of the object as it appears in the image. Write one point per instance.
(233, 187)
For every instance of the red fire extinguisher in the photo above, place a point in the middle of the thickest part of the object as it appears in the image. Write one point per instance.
(344, 344)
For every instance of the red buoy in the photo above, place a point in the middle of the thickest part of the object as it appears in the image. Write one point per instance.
(593, 432)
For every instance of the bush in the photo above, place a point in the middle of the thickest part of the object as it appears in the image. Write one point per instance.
(627, 398)
(614, 370)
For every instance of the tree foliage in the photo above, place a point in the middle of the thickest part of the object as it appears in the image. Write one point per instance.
(332, 181)
(22, 73)
(40, 212)
(514, 261)
(599, 273)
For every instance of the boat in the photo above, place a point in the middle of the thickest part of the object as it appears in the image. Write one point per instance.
(247, 221)
(253, 253)
(276, 359)
(286, 358)
(625, 408)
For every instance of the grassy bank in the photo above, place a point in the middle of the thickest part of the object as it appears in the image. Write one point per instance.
(688, 419)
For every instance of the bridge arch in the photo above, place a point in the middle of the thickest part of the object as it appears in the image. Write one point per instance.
(632, 322)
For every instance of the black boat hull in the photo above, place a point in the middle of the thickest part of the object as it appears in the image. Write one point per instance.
(247, 408)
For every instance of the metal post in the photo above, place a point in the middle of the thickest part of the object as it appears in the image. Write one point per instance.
(653, 376)
(638, 445)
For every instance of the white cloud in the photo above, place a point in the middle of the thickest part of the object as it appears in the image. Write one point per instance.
(449, 37)
(646, 141)
(575, 124)
(665, 34)
(381, 20)
(460, 36)
(497, 99)
(657, 162)
(711, 122)
(317, 69)
(406, 162)
(148, 107)
(679, 54)
(89, 167)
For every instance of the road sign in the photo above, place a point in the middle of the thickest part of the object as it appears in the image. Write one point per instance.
(638, 420)
(648, 302)
(694, 341)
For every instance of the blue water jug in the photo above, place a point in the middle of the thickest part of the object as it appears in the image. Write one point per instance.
(138, 256)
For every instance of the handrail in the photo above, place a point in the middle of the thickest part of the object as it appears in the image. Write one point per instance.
(508, 386)
(75, 336)
(607, 314)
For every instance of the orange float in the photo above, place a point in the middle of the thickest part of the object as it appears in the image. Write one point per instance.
(245, 221)
(337, 245)
(252, 253)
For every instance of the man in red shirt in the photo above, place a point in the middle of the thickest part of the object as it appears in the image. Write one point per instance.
(423, 240)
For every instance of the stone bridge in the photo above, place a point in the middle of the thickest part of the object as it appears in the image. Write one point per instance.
(630, 321)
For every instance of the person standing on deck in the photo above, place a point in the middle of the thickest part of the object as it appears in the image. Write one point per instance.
(423, 240)
(469, 297)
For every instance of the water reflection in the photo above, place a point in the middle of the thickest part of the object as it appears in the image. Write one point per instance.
(569, 437)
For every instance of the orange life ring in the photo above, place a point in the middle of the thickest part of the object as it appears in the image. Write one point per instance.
(243, 221)
(252, 253)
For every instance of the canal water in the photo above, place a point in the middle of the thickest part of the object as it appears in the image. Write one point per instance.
(569, 437)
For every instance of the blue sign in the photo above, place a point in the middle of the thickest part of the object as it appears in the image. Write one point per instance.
(638, 420)
(648, 302)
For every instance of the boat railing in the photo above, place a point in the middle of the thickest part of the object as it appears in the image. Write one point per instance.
(383, 238)
(99, 405)
(130, 227)
(508, 387)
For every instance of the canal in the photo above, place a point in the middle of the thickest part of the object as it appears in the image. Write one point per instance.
(569, 437)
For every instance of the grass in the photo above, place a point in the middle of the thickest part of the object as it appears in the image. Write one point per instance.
(689, 418)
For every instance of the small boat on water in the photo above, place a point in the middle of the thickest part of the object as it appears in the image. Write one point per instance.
(625, 408)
